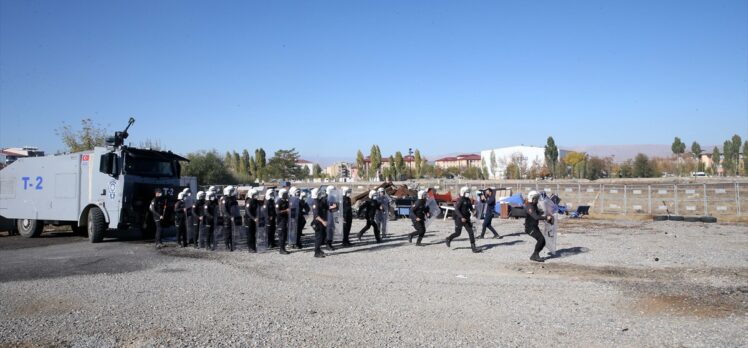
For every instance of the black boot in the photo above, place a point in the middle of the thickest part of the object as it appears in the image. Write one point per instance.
(319, 253)
(329, 245)
(359, 235)
(448, 242)
(535, 257)
(283, 251)
(410, 238)
(347, 243)
(475, 250)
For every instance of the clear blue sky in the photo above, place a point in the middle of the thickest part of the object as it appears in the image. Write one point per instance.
(331, 77)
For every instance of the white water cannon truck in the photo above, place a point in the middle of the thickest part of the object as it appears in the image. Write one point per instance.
(107, 188)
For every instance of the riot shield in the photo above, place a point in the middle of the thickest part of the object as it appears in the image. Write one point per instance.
(383, 214)
(479, 208)
(202, 235)
(191, 228)
(549, 230)
(218, 236)
(434, 210)
(238, 229)
(334, 217)
(262, 229)
(293, 219)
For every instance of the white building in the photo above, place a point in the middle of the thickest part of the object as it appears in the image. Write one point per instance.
(496, 160)
(306, 165)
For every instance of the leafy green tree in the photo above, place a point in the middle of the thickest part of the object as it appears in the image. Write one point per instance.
(419, 165)
(361, 164)
(228, 160)
(696, 153)
(715, 160)
(260, 163)
(283, 166)
(236, 162)
(253, 167)
(727, 161)
(626, 170)
(736, 141)
(551, 154)
(596, 167)
(399, 165)
(375, 161)
(317, 171)
(89, 136)
(244, 165)
(208, 167)
(678, 147)
(643, 167)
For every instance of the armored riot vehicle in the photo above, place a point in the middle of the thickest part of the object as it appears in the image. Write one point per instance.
(107, 188)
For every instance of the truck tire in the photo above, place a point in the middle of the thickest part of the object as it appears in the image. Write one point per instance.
(659, 218)
(30, 228)
(96, 225)
(708, 219)
(675, 218)
(692, 219)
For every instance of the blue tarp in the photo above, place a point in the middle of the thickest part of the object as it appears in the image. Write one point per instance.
(514, 200)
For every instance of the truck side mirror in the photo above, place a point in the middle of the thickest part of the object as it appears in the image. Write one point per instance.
(108, 164)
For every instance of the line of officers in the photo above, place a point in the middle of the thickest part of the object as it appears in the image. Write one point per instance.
(208, 218)
(196, 221)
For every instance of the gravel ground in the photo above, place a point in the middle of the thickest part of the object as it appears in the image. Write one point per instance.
(616, 283)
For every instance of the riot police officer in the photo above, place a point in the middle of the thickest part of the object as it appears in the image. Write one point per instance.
(420, 214)
(320, 221)
(347, 215)
(282, 210)
(180, 219)
(371, 207)
(462, 219)
(225, 207)
(532, 219)
(270, 206)
(198, 210)
(158, 211)
(251, 205)
(210, 218)
(303, 211)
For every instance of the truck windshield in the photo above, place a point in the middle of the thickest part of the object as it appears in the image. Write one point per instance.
(149, 166)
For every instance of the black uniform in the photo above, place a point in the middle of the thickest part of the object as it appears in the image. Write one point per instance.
(190, 224)
(228, 222)
(531, 227)
(303, 210)
(158, 210)
(250, 220)
(490, 209)
(180, 219)
(282, 210)
(347, 219)
(210, 218)
(419, 220)
(371, 206)
(270, 206)
(320, 231)
(462, 211)
(198, 212)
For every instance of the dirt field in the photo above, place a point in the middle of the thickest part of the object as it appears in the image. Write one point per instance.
(614, 283)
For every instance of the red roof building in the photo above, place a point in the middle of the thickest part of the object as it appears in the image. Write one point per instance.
(460, 161)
